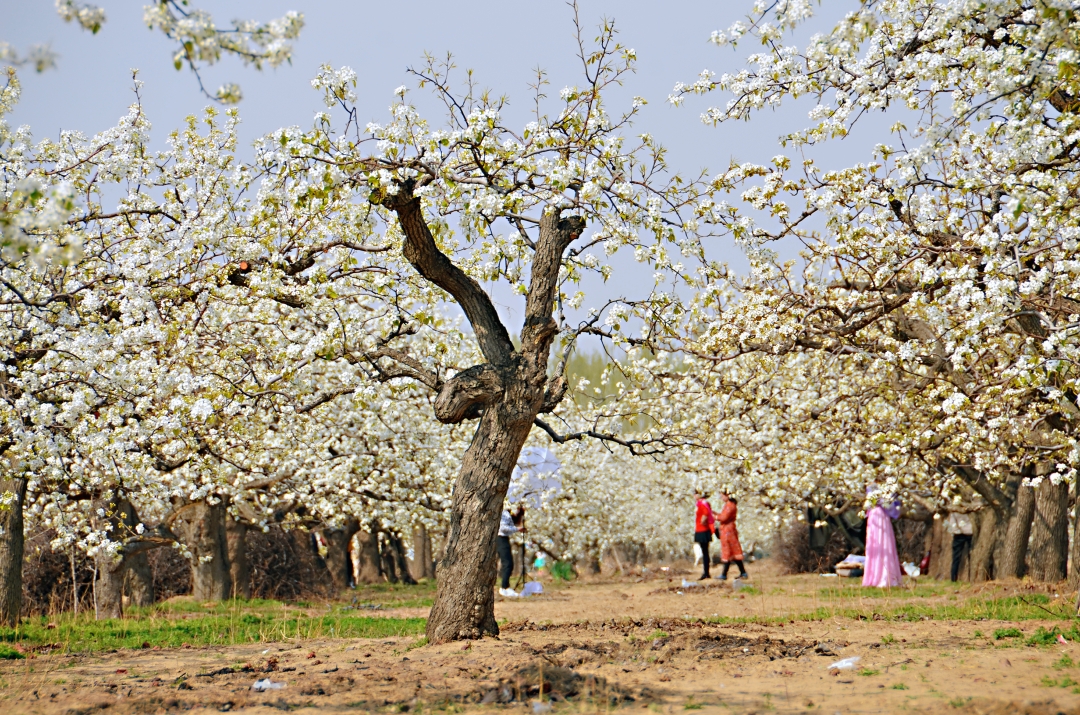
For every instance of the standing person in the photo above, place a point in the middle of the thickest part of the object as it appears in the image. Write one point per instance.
(959, 525)
(882, 567)
(704, 523)
(730, 548)
(510, 524)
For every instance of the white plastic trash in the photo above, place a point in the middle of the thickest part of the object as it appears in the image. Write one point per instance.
(690, 584)
(846, 663)
(911, 569)
(532, 588)
(266, 684)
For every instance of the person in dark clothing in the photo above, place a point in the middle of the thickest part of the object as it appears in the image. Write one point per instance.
(510, 524)
(961, 528)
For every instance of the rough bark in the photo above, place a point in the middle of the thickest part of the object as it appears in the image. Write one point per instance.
(423, 565)
(988, 532)
(201, 527)
(139, 580)
(1074, 548)
(1010, 560)
(337, 558)
(239, 563)
(940, 551)
(11, 552)
(366, 557)
(1049, 550)
(109, 587)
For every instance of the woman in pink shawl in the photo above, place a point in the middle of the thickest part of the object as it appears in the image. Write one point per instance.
(882, 567)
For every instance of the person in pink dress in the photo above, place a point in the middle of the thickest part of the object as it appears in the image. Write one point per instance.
(882, 568)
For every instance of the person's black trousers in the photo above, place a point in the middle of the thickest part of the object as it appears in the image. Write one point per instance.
(960, 543)
(506, 559)
(703, 538)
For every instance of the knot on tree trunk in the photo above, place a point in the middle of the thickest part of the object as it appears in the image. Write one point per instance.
(554, 393)
(464, 396)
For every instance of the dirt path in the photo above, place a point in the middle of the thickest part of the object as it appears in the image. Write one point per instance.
(630, 645)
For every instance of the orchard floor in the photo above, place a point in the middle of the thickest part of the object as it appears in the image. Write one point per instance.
(628, 644)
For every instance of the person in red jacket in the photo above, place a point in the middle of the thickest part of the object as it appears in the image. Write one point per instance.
(730, 549)
(704, 525)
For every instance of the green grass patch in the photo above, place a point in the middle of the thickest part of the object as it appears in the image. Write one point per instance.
(1062, 682)
(868, 672)
(562, 571)
(1002, 633)
(1049, 637)
(173, 624)
(1064, 662)
(9, 653)
(898, 686)
(657, 634)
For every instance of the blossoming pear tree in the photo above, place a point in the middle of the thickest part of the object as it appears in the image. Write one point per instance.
(945, 264)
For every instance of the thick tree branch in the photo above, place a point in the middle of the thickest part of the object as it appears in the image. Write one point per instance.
(422, 252)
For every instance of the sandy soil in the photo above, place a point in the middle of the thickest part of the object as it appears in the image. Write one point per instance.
(628, 644)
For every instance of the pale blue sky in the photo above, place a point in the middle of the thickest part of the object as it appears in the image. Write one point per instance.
(502, 41)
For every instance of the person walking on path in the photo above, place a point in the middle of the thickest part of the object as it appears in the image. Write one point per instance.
(882, 567)
(730, 548)
(704, 524)
(510, 524)
(959, 525)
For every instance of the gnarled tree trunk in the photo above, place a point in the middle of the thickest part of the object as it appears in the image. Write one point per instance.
(1074, 548)
(465, 602)
(239, 564)
(1049, 550)
(11, 551)
(507, 393)
(201, 526)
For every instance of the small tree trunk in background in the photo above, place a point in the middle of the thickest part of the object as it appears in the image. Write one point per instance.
(139, 580)
(1049, 550)
(202, 527)
(1010, 559)
(1074, 548)
(423, 565)
(109, 587)
(337, 558)
(367, 557)
(940, 551)
(401, 560)
(983, 543)
(11, 552)
(386, 558)
(239, 564)
(589, 564)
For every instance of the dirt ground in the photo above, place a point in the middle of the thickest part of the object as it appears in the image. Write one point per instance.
(631, 644)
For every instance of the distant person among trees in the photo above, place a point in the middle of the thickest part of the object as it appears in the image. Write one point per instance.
(704, 524)
(510, 524)
(882, 562)
(730, 548)
(959, 525)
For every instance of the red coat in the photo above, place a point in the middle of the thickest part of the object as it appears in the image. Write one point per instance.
(730, 549)
(703, 519)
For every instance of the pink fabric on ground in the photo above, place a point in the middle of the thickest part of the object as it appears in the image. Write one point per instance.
(882, 567)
